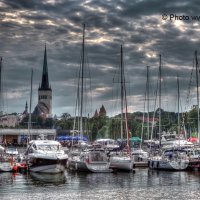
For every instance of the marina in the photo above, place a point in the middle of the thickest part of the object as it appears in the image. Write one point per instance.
(99, 100)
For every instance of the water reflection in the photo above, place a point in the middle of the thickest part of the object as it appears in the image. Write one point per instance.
(40, 178)
(144, 184)
(7, 178)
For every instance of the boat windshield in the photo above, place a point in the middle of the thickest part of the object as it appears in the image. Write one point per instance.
(49, 147)
(169, 137)
(97, 156)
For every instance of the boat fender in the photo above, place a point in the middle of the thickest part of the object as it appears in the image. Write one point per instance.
(67, 164)
(148, 163)
(76, 166)
(15, 168)
(157, 164)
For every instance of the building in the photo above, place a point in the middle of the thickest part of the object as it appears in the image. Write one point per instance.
(44, 106)
(102, 111)
(9, 120)
(19, 136)
(96, 114)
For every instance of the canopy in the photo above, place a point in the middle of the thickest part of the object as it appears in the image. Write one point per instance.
(135, 139)
(193, 139)
(68, 137)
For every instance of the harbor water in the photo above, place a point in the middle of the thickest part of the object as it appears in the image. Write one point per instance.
(142, 185)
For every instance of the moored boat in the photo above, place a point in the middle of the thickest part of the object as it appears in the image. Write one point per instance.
(172, 159)
(94, 160)
(46, 156)
(194, 158)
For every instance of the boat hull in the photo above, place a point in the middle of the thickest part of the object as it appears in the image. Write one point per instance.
(121, 163)
(83, 166)
(194, 164)
(6, 167)
(174, 165)
(52, 169)
(77, 165)
(47, 165)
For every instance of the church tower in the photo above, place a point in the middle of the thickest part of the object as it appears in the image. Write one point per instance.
(44, 106)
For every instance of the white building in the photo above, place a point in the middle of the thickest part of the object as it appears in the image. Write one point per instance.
(9, 121)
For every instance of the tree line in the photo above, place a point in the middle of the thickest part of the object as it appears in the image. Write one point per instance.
(104, 126)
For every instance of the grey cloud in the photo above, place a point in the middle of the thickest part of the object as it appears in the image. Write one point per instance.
(131, 23)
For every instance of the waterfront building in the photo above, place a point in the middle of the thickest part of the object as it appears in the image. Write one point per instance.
(19, 136)
(9, 120)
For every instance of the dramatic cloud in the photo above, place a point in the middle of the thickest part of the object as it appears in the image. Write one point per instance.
(143, 27)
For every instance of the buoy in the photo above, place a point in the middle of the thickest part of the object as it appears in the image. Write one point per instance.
(14, 168)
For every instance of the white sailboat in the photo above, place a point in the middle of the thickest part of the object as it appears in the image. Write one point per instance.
(141, 156)
(123, 160)
(7, 162)
(172, 158)
(89, 160)
(194, 153)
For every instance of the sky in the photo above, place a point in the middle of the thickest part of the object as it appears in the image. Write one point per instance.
(145, 28)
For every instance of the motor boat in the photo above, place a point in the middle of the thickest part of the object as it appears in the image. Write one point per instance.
(46, 156)
(8, 158)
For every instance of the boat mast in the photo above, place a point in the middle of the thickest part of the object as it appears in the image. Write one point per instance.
(1, 99)
(122, 91)
(125, 101)
(82, 76)
(29, 118)
(197, 83)
(160, 76)
(178, 106)
(148, 101)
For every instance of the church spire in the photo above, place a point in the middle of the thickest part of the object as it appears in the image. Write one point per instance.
(26, 107)
(45, 78)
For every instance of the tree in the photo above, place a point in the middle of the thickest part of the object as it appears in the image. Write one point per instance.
(65, 116)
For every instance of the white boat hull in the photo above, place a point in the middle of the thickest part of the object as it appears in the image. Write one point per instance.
(121, 163)
(6, 167)
(99, 167)
(53, 169)
(83, 166)
(176, 165)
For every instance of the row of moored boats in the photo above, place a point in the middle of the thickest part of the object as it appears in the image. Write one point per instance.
(104, 155)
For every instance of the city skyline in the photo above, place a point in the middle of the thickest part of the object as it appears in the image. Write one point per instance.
(144, 28)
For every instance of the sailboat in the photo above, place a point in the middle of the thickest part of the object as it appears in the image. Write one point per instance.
(173, 157)
(7, 161)
(194, 153)
(141, 156)
(87, 160)
(123, 160)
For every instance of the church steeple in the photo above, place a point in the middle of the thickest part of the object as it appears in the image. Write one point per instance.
(26, 107)
(45, 78)
(44, 106)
